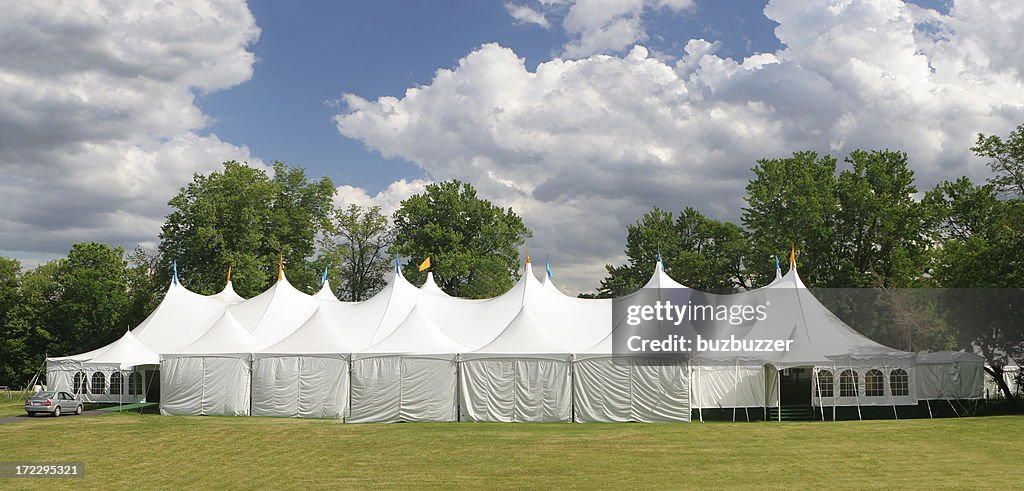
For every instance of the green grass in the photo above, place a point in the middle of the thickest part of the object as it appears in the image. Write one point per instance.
(149, 451)
(12, 404)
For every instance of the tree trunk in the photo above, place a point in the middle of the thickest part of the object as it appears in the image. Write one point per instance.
(997, 374)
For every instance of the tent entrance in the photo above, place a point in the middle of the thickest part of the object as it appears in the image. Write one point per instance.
(152, 380)
(796, 386)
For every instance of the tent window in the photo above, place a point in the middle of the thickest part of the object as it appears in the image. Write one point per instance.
(135, 383)
(80, 385)
(116, 383)
(825, 383)
(874, 384)
(848, 383)
(99, 383)
(899, 382)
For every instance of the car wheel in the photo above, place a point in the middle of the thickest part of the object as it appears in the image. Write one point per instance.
(56, 411)
(78, 410)
(31, 414)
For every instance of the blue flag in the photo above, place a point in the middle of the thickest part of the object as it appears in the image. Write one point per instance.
(547, 267)
(397, 270)
(323, 279)
(659, 252)
(174, 265)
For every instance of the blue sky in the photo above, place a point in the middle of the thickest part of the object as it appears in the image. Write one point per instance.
(309, 53)
(579, 114)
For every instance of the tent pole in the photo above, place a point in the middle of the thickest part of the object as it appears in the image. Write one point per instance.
(954, 408)
(700, 405)
(856, 387)
(572, 384)
(778, 400)
(735, 385)
(929, 404)
(834, 390)
(817, 385)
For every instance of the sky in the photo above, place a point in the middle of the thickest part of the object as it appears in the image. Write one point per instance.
(579, 114)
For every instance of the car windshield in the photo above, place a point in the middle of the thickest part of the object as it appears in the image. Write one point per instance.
(44, 395)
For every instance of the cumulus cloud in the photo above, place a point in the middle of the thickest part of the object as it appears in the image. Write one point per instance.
(526, 15)
(99, 125)
(582, 147)
(388, 199)
(596, 26)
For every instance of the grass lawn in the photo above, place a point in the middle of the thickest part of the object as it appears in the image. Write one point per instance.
(150, 451)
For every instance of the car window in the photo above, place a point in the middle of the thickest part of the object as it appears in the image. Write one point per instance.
(65, 396)
(45, 395)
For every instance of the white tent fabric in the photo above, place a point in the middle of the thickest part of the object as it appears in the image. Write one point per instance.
(429, 286)
(211, 375)
(305, 375)
(126, 352)
(522, 375)
(408, 376)
(947, 375)
(274, 314)
(530, 354)
(228, 295)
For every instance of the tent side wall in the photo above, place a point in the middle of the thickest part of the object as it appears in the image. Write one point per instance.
(300, 386)
(640, 389)
(516, 389)
(205, 385)
(393, 388)
(950, 380)
(97, 378)
(729, 386)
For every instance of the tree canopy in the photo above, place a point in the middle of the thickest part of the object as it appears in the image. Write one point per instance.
(243, 218)
(473, 244)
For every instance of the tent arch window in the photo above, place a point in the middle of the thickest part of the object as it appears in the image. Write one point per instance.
(99, 383)
(874, 383)
(899, 382)
(848, 381)
(134, 383)
(116, 383)
(81, 382)
(825, 383)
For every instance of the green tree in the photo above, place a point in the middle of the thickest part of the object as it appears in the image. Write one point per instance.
(356, 252)
(28, 334)
(88, 310)
(242, 218)
(1006, 159)
(792, 202)
(697, 251)
(473, 244)
(882, 232)
(982, 247)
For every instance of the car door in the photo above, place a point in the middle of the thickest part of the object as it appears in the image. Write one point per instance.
(67, 403)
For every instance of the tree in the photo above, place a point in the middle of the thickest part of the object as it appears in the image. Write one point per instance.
(355, 251)
(792, 202)
(698, 251)
(242, 218)
(1006, 161)
(982, 258)
(91, 298)
(473, 244)
(882, 232)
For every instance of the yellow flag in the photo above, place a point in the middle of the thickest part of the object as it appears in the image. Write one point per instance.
(425, 264)
(280, 267)
(229, 273)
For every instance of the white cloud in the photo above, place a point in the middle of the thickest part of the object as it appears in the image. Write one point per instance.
(100, 126)
(596, 26)
(526, 15)
(388, 199)
(582, 147)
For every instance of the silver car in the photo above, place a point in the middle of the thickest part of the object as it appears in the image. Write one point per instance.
(55, 403)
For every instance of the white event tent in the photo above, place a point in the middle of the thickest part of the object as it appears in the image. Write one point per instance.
(531, 354)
